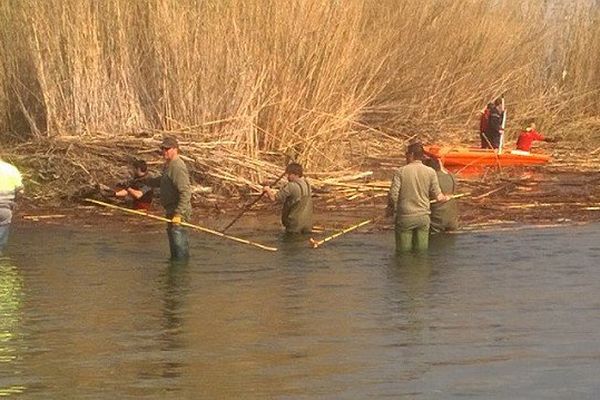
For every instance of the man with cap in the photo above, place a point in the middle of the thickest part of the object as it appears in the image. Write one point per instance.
(11, 186)
(175, 197)
(296, 214)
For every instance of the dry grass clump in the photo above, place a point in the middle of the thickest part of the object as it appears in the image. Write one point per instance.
(304, 79)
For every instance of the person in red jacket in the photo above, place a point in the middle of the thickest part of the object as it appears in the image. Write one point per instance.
(527, 136)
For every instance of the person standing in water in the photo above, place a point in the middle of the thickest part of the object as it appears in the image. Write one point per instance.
(175, 197)
(444, 216)
(297, 211)
(412, 188)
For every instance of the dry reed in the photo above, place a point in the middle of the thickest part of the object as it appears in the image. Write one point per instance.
(322, 82)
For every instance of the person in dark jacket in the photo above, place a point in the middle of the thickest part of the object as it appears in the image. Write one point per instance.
(494, 129)
(137, 188)
(175, 197)
(484, 121)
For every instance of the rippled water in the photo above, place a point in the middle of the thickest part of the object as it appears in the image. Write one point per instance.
(511, 315)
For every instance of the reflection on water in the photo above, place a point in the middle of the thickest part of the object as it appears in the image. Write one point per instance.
(11, 294)
(482, 316)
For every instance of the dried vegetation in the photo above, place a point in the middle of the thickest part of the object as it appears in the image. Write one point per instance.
(249, 85)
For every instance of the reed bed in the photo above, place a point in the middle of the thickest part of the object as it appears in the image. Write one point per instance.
(249, 85)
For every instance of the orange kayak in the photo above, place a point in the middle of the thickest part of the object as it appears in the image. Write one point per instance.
(475, 157)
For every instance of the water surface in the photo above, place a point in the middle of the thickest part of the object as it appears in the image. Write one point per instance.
(505, 315)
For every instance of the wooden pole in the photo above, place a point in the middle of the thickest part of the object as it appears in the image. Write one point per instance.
(249, 206)
(454, 196)
(316, 243)
(188, 225)
(503, 127)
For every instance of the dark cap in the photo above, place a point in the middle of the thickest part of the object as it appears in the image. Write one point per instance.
(169, 143)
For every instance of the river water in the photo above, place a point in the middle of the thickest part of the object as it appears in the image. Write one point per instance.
(104, 315)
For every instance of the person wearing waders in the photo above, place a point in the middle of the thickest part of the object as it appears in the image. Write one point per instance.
(444, 216)
(136, 188)
(413, 186)
(11, 186)
(297, 211)
(175, 197)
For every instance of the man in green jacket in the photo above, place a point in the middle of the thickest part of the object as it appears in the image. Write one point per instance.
(175, 197)
(413, 186)
(296, 196)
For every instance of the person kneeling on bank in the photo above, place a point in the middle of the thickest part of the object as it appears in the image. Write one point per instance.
(444, 216)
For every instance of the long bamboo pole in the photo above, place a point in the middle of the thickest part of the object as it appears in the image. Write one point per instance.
(316, 243)
(249, 206)
(454, 196)
(196, 227)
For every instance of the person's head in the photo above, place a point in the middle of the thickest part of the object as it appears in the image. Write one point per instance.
(499, 104)
(414, 151)
(169, 148)
(490, 106)
(140, 168)
(433, 162)
(294, 170)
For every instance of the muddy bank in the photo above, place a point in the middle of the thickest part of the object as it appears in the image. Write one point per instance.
(502, 199)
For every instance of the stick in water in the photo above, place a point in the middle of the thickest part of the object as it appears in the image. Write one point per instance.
(316, 243)
(196, 227)
(251, 204)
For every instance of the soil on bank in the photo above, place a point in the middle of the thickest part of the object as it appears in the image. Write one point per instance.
(566, 191)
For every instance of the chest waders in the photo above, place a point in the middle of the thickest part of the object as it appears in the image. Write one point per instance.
(297, 216)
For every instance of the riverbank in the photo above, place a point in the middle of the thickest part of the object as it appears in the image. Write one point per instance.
(564, 192)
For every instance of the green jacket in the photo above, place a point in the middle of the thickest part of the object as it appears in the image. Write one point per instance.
(412, 189)
(444, 216)
(175, 189)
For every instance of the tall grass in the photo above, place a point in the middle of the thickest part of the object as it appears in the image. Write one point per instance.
(297, 76)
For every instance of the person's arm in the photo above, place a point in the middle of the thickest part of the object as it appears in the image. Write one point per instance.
(393, 194)
(121, 193)
(538, 136)
(442, 198)
(181, 180)
(281, 195)
(269, 192)
(136, 194)
(435, 191)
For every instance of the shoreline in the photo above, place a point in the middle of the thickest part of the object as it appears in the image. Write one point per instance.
(566, 191)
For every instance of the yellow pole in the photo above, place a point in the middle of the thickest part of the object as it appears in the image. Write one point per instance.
(314, 243)
(196, 227)
(454, 196)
